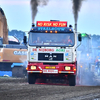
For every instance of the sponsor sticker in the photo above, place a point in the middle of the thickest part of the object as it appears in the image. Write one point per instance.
(32, 53)
(66, 54)
(60, 50)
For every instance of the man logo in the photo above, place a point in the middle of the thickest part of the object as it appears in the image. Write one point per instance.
(20, 52)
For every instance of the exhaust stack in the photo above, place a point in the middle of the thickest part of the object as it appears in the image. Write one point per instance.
(33, 25)
(76, 28)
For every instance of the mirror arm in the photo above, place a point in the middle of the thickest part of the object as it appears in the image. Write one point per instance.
(77, 46)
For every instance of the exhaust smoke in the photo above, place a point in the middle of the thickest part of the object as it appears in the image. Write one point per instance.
(76, 8)
(88, 70)
(34, 7)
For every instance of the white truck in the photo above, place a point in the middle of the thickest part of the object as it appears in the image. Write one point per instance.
(52, 52)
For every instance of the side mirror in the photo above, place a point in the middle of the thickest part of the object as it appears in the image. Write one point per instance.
(25, 40)
(79, 37)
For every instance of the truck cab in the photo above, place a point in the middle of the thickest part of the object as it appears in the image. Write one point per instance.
(52, 52)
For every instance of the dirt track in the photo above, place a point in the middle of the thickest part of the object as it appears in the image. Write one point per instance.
(19, 89)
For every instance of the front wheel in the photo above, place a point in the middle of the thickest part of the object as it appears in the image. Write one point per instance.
(31, 78)
(72, 80)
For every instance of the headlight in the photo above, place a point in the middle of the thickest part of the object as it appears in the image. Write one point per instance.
(33, 67)
(67, 68)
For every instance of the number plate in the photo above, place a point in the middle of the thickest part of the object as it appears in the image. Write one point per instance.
(50, 71)
(50, 67)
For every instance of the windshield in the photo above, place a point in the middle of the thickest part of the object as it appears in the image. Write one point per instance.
(51, 39)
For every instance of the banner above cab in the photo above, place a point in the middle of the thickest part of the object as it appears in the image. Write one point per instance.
(51, 24)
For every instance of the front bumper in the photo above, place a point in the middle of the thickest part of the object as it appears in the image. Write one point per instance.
(55, 69)
(65, 72)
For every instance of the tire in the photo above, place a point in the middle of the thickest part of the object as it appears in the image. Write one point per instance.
(72, 80)
(31, 78)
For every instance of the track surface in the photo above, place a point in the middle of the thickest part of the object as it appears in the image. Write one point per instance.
(19, 89)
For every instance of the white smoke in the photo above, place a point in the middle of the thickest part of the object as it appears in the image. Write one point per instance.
(23, 59)
(87, 74)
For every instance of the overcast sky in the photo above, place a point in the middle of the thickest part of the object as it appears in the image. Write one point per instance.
(18, 14)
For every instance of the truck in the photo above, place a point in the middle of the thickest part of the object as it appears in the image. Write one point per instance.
(49, 55)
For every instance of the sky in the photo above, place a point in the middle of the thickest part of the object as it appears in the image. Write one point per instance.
(19, 16)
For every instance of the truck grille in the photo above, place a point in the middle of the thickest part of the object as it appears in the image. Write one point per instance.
(50, 57)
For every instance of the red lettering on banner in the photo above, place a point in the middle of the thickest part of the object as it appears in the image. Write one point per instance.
(34, 49)
(39, 49)
(46, 50)
(52, 49)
